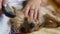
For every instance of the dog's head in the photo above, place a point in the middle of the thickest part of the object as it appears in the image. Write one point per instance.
(21, 24)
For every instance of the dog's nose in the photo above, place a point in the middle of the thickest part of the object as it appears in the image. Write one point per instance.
(22, 29)
(31, 25)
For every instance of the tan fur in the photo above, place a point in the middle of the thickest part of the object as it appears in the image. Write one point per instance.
(53, 4)
(52, 20)
(21, 21)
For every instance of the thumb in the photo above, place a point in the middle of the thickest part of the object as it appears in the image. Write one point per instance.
(4, 2)
(0, 7)
(0, 4)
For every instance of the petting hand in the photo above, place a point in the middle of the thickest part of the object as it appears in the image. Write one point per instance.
(2, 2)
(32, 9)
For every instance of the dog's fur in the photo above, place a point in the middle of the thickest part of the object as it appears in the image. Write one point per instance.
(54, 17)
(52, 20)
(23, 22)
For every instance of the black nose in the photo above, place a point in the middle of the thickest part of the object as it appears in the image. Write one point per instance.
(22, 29)
(32, 25)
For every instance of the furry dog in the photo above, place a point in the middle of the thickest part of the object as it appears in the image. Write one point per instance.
(24, 25)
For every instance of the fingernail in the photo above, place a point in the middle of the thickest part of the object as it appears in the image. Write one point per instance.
(26, 16)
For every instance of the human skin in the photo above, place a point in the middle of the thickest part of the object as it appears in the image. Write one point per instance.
(33, 4)
(2, 2)
(28, 10)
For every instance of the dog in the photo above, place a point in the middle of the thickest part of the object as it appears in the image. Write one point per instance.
(24, 25)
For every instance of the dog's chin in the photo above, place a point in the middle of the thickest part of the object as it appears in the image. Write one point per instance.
(29, 26)
(26, 27)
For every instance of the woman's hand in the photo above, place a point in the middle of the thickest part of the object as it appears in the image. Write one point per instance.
(32, 9)
(2, 2)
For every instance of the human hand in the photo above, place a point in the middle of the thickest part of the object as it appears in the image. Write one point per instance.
(32, 9)
(2, 2)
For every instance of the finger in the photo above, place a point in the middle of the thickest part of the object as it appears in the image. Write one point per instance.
(39, 14)
(43, 2)
(26, 10)
(0, 4)
(4, 2)
(32, 9)
(1, 12)
(35, 13)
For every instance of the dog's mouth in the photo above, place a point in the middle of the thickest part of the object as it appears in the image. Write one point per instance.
(26, 27)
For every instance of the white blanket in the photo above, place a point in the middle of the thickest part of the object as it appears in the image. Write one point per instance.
(4, 27)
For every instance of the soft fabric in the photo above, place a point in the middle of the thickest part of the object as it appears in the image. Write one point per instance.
(16, 3)
(4, 27)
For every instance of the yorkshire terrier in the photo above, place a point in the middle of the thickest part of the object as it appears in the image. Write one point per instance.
(50, 19)
(21, 24)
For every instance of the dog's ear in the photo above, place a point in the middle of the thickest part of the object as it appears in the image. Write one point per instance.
(14, 9)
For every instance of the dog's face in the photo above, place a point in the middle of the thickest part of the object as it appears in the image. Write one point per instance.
(21, 24)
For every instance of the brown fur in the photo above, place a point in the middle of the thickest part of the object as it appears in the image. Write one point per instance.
(55, 4)
(20, 21)
(52, 20)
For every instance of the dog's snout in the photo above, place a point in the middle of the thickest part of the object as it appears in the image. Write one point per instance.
(22, 29)
(31, 25)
